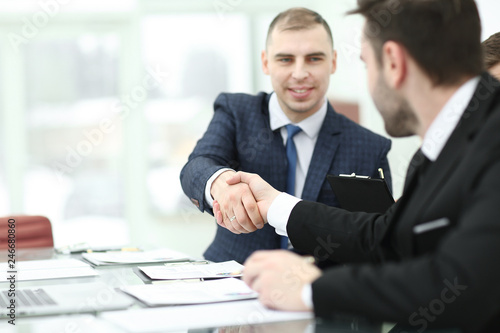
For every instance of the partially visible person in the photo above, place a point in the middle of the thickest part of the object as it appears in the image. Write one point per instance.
(430, 261)
(491, 49)
(249, 133)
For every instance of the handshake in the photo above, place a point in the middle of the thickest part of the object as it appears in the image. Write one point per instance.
(241, 204)
(241, 201)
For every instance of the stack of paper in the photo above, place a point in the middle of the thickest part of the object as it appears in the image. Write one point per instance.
(180, 292)
(48, 269)
(130, 257)
(189, 271)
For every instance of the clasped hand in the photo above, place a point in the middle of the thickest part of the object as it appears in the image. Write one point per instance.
(241, 201)
(278, 276)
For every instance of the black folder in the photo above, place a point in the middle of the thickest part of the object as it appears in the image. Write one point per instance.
(361, 194)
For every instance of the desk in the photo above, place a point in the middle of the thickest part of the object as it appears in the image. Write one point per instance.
(118, 276)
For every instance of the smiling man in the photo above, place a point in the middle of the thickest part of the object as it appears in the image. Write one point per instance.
(249, 133)
(300, 72)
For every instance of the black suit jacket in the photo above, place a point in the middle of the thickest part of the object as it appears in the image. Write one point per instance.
(432, 259)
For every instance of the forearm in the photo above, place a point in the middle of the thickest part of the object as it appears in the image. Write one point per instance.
(412, 293)
(194, 177)
(338, 235)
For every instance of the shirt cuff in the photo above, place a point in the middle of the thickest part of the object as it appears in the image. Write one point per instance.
(208, 186)
(279, 212)
(307, 296)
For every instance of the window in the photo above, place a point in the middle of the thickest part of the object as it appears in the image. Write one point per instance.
(202, 57)
(73, 140)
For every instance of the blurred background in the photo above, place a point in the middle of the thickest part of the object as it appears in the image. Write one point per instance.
(101, 103)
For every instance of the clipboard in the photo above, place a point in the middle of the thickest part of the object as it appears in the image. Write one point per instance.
(361, 193)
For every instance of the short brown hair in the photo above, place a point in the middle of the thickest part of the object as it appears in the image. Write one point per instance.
(443, 36)
(298, 18)
(491, 49)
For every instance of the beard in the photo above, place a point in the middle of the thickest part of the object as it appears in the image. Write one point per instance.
(399, 118)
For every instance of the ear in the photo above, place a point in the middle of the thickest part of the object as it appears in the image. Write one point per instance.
(265, 62)
(334, 62)
(395, 63)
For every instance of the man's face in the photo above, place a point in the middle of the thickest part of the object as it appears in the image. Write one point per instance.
(300, 64)
(399, 118)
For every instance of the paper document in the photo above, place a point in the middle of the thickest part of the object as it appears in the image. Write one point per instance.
(132, 257)
(179, 292)
(189, 271)
(49, 269)
(176, 318)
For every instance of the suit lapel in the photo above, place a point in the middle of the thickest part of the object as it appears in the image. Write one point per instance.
(276, 153)
(411, 173)
(421, 193)
(438, 173)
(324, 152)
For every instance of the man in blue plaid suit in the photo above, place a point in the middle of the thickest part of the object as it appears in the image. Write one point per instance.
(248, 133)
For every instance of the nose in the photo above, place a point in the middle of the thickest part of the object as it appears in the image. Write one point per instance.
(300, 71)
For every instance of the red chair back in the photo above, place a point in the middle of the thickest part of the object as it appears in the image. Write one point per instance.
(30, 231)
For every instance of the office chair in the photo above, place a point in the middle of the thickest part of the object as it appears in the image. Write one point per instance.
(30, 231)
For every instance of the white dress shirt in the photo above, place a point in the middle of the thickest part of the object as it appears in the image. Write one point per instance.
(434, 140)
(447, 119)
(304, 141)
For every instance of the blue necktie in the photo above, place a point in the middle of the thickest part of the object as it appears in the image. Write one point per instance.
(291, 155)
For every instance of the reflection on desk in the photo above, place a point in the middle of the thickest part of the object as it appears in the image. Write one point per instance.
(60, 324)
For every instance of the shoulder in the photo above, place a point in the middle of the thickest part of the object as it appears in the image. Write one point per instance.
(246, 111)
(239, 100)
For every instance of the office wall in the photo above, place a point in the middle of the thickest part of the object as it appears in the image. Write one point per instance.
(101, 103)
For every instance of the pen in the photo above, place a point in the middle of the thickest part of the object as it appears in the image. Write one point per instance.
(92, 250)
(381, 172)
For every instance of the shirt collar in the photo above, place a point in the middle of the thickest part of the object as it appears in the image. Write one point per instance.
(447, 119)
(310, 126)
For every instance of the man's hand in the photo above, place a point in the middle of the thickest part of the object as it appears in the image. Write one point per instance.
(235, 207)
(263, 193)
(279, 276)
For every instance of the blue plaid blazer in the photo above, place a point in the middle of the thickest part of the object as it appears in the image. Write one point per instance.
(239, 136)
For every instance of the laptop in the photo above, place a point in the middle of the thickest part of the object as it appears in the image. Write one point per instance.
(361, 194)
(62, 299)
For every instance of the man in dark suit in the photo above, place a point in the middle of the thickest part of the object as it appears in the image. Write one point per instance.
(432, 259)
(248, 133)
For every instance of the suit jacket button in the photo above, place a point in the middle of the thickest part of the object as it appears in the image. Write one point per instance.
(195, 202)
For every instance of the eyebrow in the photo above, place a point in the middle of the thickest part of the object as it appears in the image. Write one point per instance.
(315, 54)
